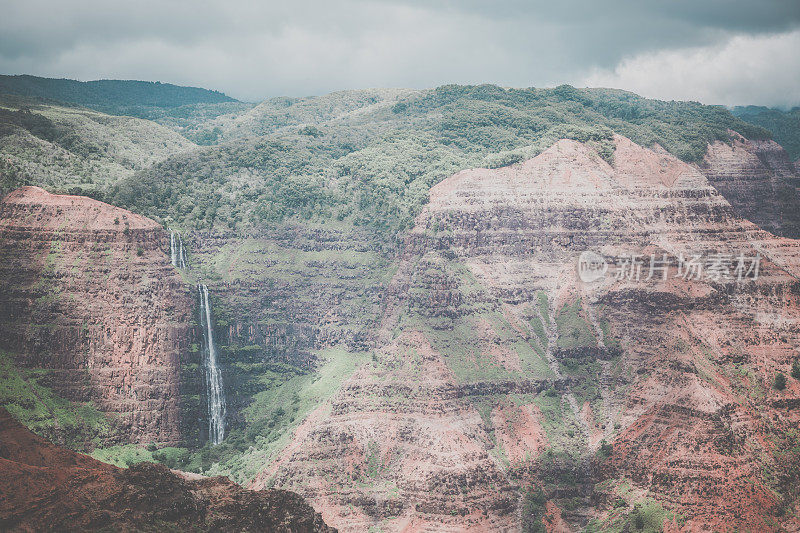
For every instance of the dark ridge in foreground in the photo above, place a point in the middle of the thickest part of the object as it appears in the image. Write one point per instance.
(46, 487)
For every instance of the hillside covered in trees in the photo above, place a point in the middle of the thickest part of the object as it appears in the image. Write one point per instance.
(370, 157)
(784, 125)
(109, 95)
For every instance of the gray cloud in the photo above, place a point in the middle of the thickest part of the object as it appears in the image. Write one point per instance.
(745, 69)
(254, 50)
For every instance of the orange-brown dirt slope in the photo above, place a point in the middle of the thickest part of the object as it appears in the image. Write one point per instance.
(47, 488)
(88, 294)
(499, 372)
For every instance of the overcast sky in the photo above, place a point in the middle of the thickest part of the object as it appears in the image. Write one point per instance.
(715, 51)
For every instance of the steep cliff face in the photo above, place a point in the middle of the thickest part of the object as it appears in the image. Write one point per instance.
(285, 293)
(88, 295)
(759, 179)
(44, 487)
(498, 370)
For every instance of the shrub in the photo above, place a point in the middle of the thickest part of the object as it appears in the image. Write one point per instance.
(605, 450)
(534, 508)
(780, 381)
(796, 369)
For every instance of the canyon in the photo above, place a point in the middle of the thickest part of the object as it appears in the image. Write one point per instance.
(759, 180)
(353, 302)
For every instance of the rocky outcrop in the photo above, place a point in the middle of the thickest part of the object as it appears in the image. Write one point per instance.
(674, 372)
(759, 180)
(45, 487)
(88, 294)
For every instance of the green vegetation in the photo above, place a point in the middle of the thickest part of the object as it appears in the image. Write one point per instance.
(647, 517)
(375, 167)
(796, 369)
(563, 432)
(632, 511)
(573, 329)
(604, 451)
(285, 398)
(115, 97)
(75, 150)
(786, 474)
(123, 456)
(784, 125)
(564, 480)
(780, 381)
(533, 511)
(46, 413)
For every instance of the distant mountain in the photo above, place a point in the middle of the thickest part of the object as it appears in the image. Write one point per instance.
(784, 125)
(111, 96)
(110, 92)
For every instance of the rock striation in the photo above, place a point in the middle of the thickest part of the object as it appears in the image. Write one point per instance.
(495, 362)
(88, 294)
(759, 180)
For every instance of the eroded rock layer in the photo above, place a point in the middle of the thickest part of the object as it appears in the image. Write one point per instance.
(759, 179)
(498, 370)
(88, 294)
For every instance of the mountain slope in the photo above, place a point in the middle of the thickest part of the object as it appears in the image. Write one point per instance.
(89, 299)
(759, 180)
(402, 335)
(369, 157)
(62, 147)
(498, 371)
(298, 231)
(109, 96)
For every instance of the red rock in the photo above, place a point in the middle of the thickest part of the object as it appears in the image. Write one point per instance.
(87, 292)
(689, 426)
(45, 487)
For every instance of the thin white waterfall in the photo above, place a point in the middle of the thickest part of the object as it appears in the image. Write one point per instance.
(215, 392)
(181, 254)
(172, 251)
(177, 255)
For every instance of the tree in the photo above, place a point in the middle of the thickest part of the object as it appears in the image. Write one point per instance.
(780, 381)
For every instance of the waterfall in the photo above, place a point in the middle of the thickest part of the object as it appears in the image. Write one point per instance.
(172, 251)
(177, 255)
(215, 392)
(181, 254)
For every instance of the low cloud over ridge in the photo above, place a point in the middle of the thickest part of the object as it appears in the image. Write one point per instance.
(762, 70)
